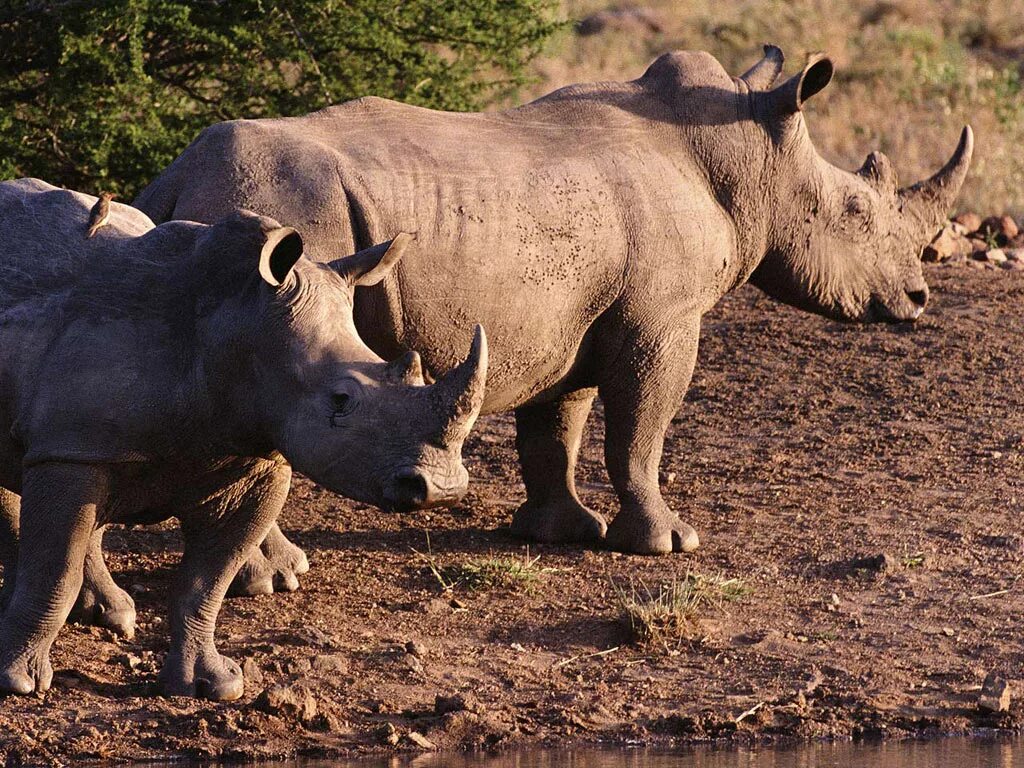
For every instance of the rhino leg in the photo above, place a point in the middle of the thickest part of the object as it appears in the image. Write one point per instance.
(60, 503)
(274, 566)
(218, 535)
(548, 440)
(101, 601)
(641, 393)
(10, 511)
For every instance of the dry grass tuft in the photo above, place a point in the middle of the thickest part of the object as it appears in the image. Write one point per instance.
(507, 573)
(671, 613)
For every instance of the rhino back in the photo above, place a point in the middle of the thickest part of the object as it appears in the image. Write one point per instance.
(532, 222)
(93, 332)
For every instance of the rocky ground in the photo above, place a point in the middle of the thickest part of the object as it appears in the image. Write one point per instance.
(858, 494)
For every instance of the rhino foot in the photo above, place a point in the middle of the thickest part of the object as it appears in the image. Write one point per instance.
(563, 522)
(26, 673)
(273, 567)
(109, 607)
(206, 676)
(648, 535)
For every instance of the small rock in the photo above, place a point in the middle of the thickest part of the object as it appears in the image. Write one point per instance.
(298, 666)
(251, 671)
(414, 664)
(996, 256)
(330, 663)
(1000, 228)
(130, 660)
(420, 740)
(1014, 254)
(416, 648)
(970, 221)
(460, 702)
(387, 734)
(995, 694)
(947, 244)
(289, 701)
(881, 562)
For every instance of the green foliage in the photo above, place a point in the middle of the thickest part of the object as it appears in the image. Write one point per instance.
(102, 95)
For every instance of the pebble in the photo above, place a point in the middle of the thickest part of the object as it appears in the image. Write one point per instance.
(413, 663)
(251, 671)
(289, 701)
(387, 734)
(881, 562)
(969, 221)
(330, 663)
(420, 740)
(416, 648)
(995, 694)
(996, 256)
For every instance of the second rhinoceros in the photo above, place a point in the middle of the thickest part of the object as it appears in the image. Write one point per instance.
(589, 231)
(180, 370)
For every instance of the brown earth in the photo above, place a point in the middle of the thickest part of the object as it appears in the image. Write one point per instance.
(803, 445)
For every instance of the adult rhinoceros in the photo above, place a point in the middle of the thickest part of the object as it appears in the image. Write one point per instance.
(589, 231)
(178, 370)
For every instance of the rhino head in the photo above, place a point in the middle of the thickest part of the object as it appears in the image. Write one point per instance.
(299, 378)
(843, 244)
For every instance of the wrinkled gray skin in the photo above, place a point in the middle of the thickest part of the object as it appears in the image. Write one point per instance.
(180, 371)
(589, 231)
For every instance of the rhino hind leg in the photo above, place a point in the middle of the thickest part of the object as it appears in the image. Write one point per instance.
(274, 566)
(10, 512)
(58, 515)
(101, 602)
(548, 440)
(218, 535)
(641, 393)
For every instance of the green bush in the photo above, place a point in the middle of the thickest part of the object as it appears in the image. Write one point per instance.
(102, 95)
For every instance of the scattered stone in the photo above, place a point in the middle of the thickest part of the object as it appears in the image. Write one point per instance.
(879, 563)
(330, 663)
(251, 671)
(629, 19)
(946, 245)
(1014, 254)
(460, 702)
(416, 648)
(290, 701)
(1002, 229)
(129, 660)
(387, 734)
(420, 740)
(298, 666)
(414, 664)
(996, 256)
(970, 221)
(995, 694)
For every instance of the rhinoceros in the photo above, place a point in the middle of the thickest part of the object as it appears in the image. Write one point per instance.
(182, 370)
(589, 231)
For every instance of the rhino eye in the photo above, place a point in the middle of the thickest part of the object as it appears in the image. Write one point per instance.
(342, 404)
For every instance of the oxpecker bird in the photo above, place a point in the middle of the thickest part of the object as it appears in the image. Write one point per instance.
(100, 213)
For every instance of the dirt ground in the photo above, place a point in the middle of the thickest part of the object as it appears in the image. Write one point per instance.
(803, 445)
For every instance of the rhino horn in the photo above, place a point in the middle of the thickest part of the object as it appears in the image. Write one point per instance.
(407, 369)
(929, 201)
(460, 392)
(762, 75)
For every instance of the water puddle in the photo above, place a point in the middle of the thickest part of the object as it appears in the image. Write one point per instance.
(937, 753)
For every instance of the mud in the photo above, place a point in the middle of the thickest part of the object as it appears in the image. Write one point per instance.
(805, 449)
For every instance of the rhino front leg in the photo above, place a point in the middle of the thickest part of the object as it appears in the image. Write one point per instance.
(218, 537)
(10, 511)
(548, 440)
(274, 566)
(101, 601)
(59, 510)
(641, 394)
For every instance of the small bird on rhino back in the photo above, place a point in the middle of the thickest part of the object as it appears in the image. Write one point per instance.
(100, 213)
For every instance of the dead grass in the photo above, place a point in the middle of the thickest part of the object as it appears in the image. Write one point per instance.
(671, 612)
(910, 74)
(504, 572)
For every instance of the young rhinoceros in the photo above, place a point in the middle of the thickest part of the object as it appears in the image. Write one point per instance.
(179, 370)
(589, 231)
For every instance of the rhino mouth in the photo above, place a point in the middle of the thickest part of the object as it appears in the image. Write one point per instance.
(905, 308)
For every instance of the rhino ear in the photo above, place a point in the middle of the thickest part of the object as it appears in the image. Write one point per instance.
(789, 98)
(282, 247)
(763, 75)
(370, 266)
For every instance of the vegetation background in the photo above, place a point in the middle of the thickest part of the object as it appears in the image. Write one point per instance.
(102, 95)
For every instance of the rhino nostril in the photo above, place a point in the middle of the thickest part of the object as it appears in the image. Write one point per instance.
(920, 298)
(409, 489)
